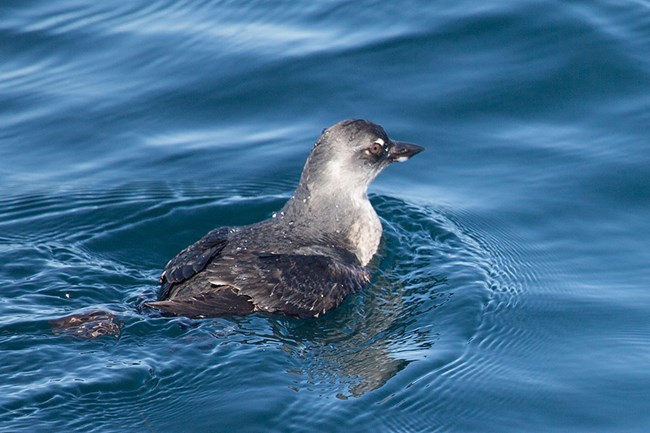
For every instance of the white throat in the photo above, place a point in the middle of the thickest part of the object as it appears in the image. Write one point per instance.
(358, 219)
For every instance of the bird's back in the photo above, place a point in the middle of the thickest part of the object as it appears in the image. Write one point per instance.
(240, 271)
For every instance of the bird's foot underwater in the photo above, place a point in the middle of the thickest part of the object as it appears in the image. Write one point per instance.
(90, 325)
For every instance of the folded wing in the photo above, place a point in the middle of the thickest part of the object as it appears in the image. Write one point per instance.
(302, 285)
(290, 284)
(193, 259)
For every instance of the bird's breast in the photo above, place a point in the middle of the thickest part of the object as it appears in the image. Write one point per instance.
(365, 234)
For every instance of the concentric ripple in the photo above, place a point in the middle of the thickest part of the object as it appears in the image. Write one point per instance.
(103, 250)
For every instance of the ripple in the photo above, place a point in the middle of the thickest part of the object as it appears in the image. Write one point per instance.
(433, 313)
(516, 305)
(484, 312)
(426, 263)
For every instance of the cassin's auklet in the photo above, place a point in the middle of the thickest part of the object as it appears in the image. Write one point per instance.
(307, 258)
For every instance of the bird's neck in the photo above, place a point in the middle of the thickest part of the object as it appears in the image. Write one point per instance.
(337, 212)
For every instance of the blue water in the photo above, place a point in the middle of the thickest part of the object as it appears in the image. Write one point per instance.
(512, 288)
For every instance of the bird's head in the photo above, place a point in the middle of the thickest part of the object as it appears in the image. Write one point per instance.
(351, 153)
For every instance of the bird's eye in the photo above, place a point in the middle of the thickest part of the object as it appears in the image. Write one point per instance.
(377, 147)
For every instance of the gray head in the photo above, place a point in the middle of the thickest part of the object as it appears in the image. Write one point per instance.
(350, 154)
(331, 201)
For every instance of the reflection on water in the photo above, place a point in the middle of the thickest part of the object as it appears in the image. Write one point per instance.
(375, 334)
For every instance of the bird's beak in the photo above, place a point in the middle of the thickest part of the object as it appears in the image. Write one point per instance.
(401, 151)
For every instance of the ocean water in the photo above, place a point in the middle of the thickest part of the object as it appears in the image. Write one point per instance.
(512, 289)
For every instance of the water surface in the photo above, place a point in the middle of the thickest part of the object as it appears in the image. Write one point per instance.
(511, 289)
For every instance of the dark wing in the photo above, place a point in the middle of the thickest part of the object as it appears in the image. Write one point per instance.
(301, 285)
(193, 259)
(212, 302)
(289, 284)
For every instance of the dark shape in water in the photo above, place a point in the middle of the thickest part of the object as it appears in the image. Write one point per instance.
(307, 258)
(87, 325)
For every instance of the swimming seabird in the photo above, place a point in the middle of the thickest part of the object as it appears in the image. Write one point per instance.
(310, 255)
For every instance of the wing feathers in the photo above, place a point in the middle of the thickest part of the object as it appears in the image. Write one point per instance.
(195, 258)
(219, 303)
(303, 286)
(203, 280)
